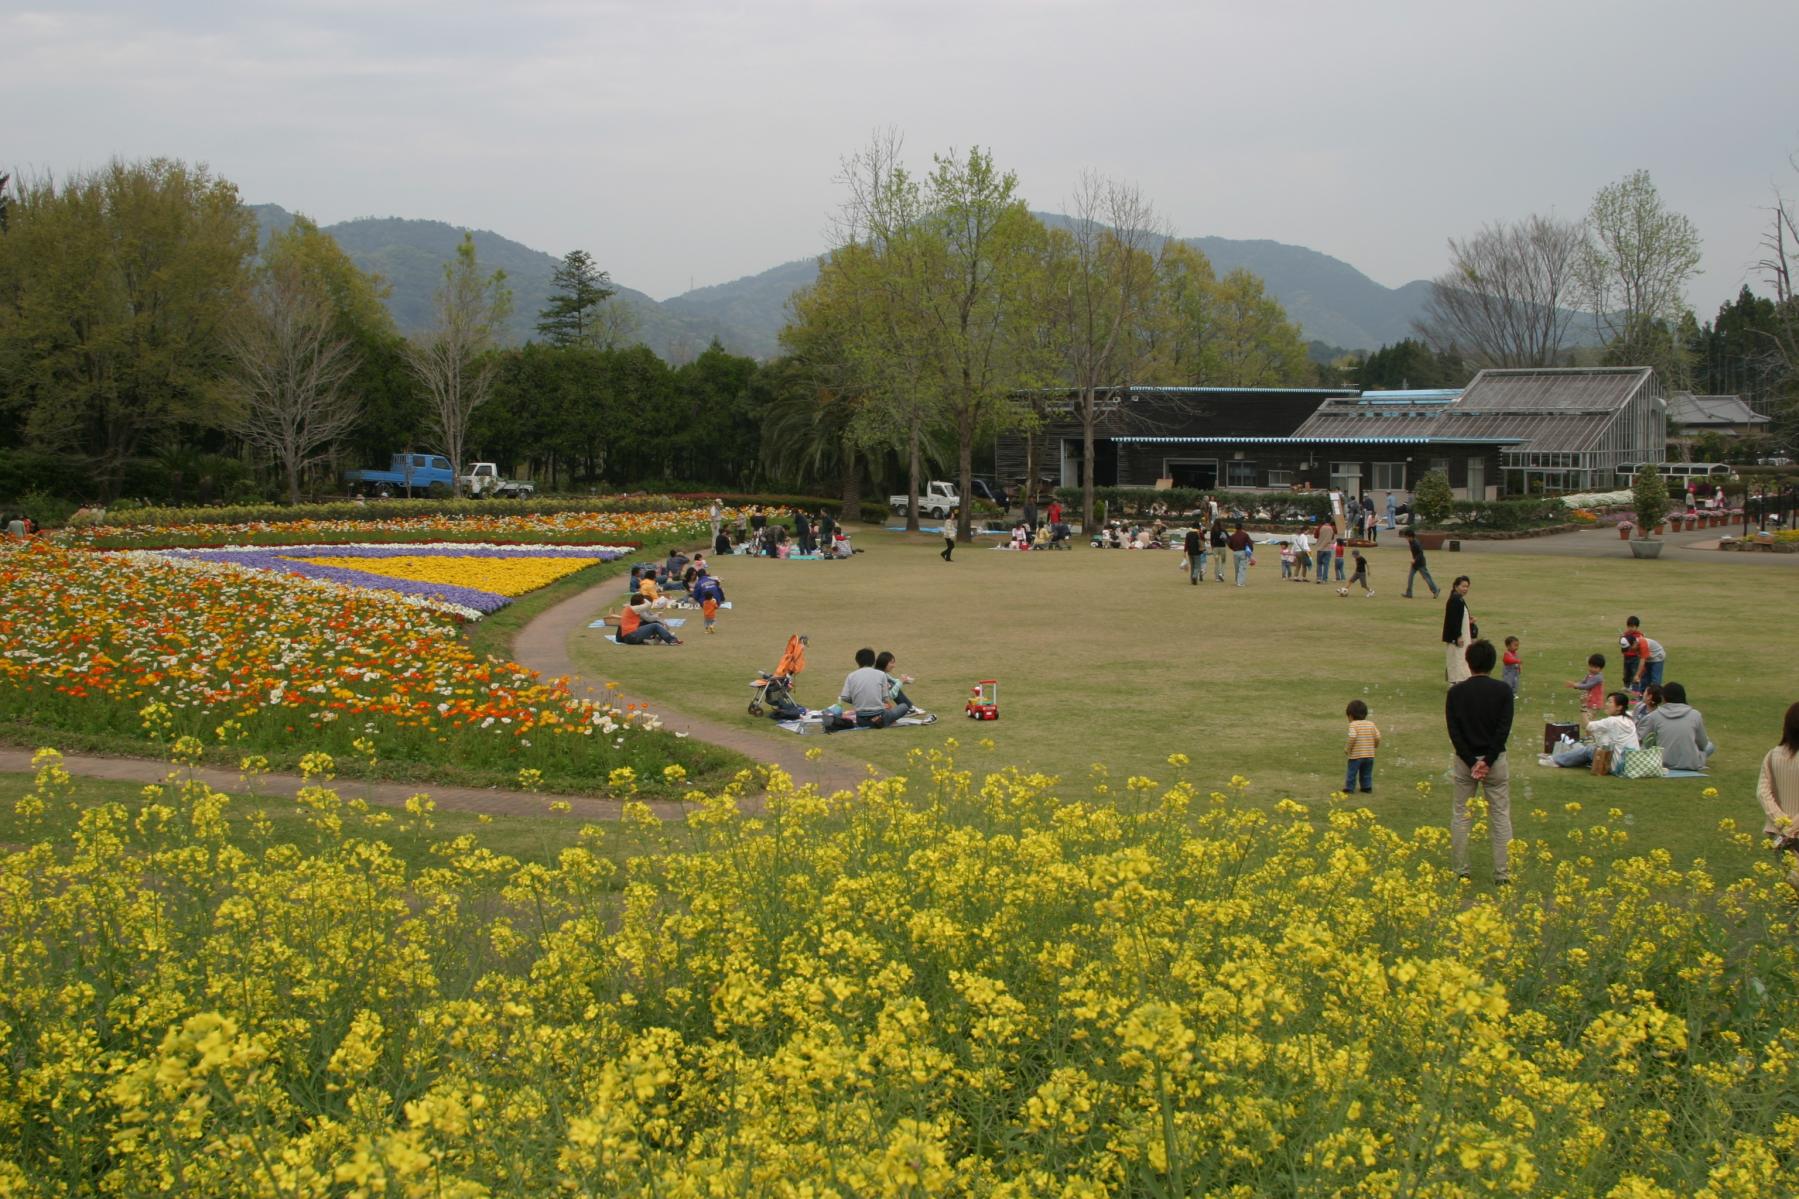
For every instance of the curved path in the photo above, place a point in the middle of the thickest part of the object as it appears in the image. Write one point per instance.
(543, 645)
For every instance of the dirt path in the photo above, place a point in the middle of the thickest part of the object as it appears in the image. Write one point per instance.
(543, 645)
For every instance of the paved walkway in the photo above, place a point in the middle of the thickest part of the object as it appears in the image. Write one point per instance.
(1701, 545)
(543, 645)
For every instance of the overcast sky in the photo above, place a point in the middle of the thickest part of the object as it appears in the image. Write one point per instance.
(688, 143)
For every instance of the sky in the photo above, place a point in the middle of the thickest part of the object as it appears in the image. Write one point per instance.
(685, 143)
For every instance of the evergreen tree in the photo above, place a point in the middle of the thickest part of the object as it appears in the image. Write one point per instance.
(572, 317)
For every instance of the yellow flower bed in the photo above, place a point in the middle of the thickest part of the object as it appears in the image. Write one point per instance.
(968, 986)
(503, 576)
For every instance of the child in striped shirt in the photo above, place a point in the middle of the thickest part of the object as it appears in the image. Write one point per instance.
(1364, 739)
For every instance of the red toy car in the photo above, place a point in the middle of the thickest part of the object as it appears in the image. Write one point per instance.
(983, 700)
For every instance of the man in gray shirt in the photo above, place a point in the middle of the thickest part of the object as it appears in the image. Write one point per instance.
(865, 691)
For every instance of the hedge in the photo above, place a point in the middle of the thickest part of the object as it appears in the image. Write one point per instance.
(1138, 500)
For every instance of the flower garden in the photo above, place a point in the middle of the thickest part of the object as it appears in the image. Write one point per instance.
(968, 979)
(962, 985)
(283, 639)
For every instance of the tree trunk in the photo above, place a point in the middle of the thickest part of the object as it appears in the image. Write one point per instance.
(1030, 466)
(965, 473)
(851, 484)
(1087, 462)
(293, 482)
(913, 469)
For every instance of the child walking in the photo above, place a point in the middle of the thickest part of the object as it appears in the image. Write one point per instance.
(1364, 739)
(1593, 684)
(1514, 665)
(1360, 576)
(949, 534)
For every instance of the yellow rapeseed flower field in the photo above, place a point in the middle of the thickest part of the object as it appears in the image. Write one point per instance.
(942, 984)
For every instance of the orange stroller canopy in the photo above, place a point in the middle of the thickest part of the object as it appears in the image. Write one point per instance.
(794, 659)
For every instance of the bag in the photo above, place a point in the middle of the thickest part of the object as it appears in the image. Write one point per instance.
(1553, 733)
(1602, 762)
(1474, 630)
(1641, 763)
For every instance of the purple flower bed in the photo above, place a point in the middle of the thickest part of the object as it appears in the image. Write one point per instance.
(400, 551)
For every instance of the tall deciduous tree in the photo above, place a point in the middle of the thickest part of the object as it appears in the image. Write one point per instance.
(115, 288)
(1509, 294)
(1257, 346)
(468, 311)
(1105, 293)
(1634, 271)
(292, 350)
(578, 290)
(977, 271)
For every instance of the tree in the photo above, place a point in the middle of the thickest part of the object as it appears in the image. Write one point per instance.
(578, 289)
(1105, 293)
(115, 289)
(976, 268)
(290, 364)
(1432, 500)
(1649, 497)
(1508, 295)
(1257, 346)
(1406, 364)
(1184, 341)
(1635, 267)
(468, 312)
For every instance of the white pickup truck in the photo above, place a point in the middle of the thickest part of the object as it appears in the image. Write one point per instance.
(935, 498)
(483, 480)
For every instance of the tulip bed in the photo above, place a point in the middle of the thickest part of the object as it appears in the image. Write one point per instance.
(956, 984)
(136, 646)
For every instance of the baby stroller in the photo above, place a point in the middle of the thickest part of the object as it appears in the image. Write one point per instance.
(772, 690)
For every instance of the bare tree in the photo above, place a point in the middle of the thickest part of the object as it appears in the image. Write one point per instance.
(1107, 289)
(447, 360)
(1780, 262)
(289, 367)
(1509, 294)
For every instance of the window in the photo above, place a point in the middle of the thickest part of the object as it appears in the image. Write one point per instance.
(1240, 474)
(1441, 464)
(1280, 478)
(1389, 476)
(1346, 477)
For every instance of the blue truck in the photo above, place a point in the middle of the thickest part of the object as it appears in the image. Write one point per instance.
(407, 474)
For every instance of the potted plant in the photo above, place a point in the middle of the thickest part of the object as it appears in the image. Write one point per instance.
(1432, 502)
(1624, 528)
(1649, 495)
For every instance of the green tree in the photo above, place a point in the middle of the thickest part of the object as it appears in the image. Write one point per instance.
(1432, 500)
(1184, 339)
(1408, 364)
(1634, 270)
(115, 290)
(1649, 497)
(578, 289)
(450, 359)
(1257, 346)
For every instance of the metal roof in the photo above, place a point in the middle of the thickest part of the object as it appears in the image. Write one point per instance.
(1135, 389)
(1556, 409)
(1687, 409)
(1299, 440)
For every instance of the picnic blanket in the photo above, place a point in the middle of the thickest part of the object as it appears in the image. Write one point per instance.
(813, 722)
(673, 622)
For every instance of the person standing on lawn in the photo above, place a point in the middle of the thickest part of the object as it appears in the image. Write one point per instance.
(1458, 631)
(949, 534)
(1243, 551)
(1418, 566)
(1478, 714)
(1327, 536)
(1195, 548)
(1219, 541)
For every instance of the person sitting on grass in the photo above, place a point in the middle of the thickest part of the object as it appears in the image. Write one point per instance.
(636, 625)
(1615, 731)
(1679, 729)
(865, 695)
(670, 574)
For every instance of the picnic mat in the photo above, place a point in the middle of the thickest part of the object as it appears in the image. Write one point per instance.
(813, 722)
(673, 622)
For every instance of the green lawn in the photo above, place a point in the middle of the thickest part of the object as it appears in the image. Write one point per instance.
(1110, 657)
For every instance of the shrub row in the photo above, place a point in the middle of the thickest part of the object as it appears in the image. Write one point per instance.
(1137, 501)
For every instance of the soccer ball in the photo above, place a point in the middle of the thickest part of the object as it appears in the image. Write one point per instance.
(1343, 591)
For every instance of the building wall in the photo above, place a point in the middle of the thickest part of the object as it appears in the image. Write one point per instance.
(1367, 470)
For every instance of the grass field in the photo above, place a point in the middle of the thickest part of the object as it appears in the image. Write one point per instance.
(1112, 658)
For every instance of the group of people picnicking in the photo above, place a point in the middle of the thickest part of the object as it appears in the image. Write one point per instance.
(873, 696)
(654, 588)
(815, 535)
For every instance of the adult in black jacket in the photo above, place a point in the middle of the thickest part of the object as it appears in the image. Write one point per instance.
(802, 530)
(1418, 566)
(1195, 549)
(1478, 713)
(1458, 631)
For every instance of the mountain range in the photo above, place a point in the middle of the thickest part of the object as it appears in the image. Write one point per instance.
(1332, 301)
